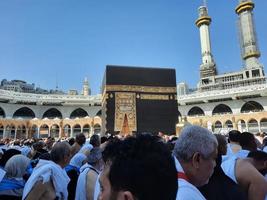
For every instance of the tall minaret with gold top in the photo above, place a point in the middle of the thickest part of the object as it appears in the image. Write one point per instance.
(249, 45)
(208, 66)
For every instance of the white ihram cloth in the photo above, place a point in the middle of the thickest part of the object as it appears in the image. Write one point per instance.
(2, 174)
(242, 153)
(81, 183)
(228, 167)
(186, 191)
(97, 188)
(46, 171)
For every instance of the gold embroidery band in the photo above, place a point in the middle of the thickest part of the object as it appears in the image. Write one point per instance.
(154, 97)
(136, 88)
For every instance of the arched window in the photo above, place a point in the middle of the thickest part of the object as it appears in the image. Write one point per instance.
(251, 106)
(25, 113)
(221, 109)
(33, 131)
(52, 113)
(2, 113)
(263, 125)
(76, 129)
(44, 131)
(54, 131)
(217, 126)
(11, 131)
(67, 130)
(241, 125)
(86, 129)
(97, 129)
(21, 132)
(229, 124)
(253, 126)
(195, 111)
(78, 113)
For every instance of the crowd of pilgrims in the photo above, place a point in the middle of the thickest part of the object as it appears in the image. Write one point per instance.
(194, 166)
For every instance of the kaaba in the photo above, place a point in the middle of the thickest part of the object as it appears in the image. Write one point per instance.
(139, 99)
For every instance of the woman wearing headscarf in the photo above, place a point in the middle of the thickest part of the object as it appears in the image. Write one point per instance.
(11, 187)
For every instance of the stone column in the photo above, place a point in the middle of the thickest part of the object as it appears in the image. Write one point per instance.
(27, 133)
(71, 131)
(91, 130)
(38, 132)
(49, 134)
(246, 126)
(4, 132)
(60, 132)
(16, 129)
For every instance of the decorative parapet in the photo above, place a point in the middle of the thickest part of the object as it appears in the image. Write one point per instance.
(197, 96)
(39, 98)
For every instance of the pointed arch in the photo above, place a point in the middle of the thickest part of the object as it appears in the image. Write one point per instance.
(21, 132)
(79, 112)
(76, 129)
(44, 131)
(251, 106)
(253, 126)
(196, 111)
(52, 113)
(222, 109)
(67, 130)
(11, 131)
(229, 124)
(241, 125)
(24, 112)
(263, 125)
(217, 126)
(97, 128)
(86, 129)
(54, 131)
(33, 132)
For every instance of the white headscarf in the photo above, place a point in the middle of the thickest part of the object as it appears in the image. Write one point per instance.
(77, 160)
(16, 166)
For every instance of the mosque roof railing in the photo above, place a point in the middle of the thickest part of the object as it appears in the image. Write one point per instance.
(50, 98)
(233, 93)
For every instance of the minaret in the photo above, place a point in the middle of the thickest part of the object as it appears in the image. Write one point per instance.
(208, 66)
(248, 40)
(86, 89)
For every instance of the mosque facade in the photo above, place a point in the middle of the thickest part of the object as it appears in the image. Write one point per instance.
(236, 100)
(26, 115)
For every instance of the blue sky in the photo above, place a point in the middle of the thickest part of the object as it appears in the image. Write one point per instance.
(62, 41)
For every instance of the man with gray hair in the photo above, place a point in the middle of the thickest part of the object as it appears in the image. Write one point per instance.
(49, 180)
(195, 152)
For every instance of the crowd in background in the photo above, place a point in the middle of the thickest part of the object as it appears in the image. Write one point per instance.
(196, 165)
